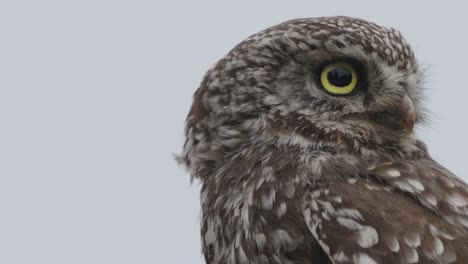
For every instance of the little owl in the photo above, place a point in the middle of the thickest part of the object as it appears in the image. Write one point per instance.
(302, 139)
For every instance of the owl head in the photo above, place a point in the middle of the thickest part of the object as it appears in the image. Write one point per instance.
(336, 83)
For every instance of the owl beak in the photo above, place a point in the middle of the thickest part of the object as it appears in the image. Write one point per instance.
(408, 114)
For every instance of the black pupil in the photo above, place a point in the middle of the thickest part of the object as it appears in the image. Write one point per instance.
(340, 77)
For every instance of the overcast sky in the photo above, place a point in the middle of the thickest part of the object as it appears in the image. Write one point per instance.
(93, 97)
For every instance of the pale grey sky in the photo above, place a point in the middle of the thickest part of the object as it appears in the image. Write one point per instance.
(93, 96)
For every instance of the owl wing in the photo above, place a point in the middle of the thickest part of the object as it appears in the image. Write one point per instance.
(399, 212)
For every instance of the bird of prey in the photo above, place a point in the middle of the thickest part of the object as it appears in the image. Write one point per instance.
(302, 139)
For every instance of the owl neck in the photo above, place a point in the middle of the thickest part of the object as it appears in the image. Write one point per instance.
(206, 152)
(334, 137)
(405, 148)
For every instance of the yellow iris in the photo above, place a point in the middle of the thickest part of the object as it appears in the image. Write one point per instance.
(339, 78)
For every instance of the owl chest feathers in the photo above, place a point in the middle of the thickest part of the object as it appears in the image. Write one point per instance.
(274, 202)
(251, 209)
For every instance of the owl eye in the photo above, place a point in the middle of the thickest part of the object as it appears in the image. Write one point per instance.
(339, 78)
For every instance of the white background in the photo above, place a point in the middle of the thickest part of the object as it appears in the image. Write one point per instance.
(93, 96)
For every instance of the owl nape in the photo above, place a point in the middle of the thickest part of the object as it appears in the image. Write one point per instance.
(302, 140)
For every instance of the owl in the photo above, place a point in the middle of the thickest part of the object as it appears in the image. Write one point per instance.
(302, 140)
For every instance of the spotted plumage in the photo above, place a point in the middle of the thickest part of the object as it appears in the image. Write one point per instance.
(303, 165)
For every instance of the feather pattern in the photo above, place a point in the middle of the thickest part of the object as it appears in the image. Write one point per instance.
(391, 216)
(291, 173)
